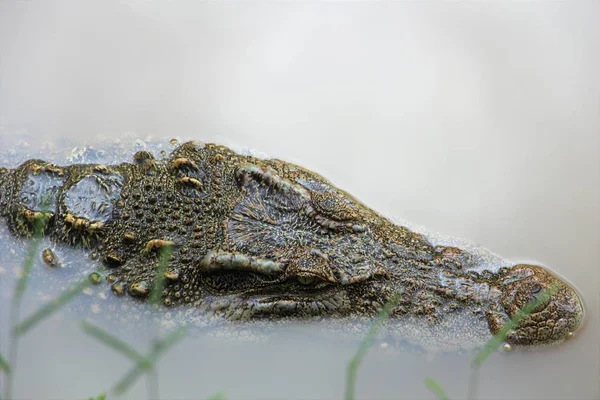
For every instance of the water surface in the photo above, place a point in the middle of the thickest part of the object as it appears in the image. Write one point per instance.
(475, 121)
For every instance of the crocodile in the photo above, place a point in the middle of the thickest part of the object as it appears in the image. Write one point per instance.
(263, 239)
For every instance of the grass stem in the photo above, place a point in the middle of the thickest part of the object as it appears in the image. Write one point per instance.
(4, 365)
(436, 388)
(354, 363)
(158, 283)
(49, 308)
(159, 348)
(112, 341)
(15, 304)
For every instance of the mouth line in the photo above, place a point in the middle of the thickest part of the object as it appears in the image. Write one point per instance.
(307, 296)
(271, 299)
(285, 289)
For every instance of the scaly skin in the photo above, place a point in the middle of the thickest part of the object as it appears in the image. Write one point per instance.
(266, 239)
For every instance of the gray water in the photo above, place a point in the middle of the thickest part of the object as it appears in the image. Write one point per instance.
(474, 120)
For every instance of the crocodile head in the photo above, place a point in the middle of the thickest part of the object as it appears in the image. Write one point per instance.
(295, 245)
(558, 314)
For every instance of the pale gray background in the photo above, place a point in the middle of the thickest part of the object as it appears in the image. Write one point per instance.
(474, 119)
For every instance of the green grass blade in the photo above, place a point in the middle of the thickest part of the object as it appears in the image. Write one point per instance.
(493, 343)
(217, 396)
(436, 388)
(169, 340)
(38, 232)
(28, 264)
(50, 307)
(4, 365)
(142, 366)
(129, 379)
(99, 397)
(365, 344)
(158, 284)
(112, 341)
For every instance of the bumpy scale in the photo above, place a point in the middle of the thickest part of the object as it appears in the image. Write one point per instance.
(252, 238)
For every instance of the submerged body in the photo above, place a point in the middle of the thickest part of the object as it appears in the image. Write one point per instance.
(252, 239)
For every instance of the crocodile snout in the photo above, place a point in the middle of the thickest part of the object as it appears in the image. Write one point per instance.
(559, 310)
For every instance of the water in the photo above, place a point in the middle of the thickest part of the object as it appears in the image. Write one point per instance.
(475, 121)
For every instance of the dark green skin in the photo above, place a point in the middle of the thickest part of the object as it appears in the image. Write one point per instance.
(265, 239)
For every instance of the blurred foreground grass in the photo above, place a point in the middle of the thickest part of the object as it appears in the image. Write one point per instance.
(18, 328)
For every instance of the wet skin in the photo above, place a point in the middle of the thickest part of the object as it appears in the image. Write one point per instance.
(266, 239)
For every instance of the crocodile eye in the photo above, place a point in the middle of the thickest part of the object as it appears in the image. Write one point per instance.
(536, 289)
(306, 280)
(333, 206)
